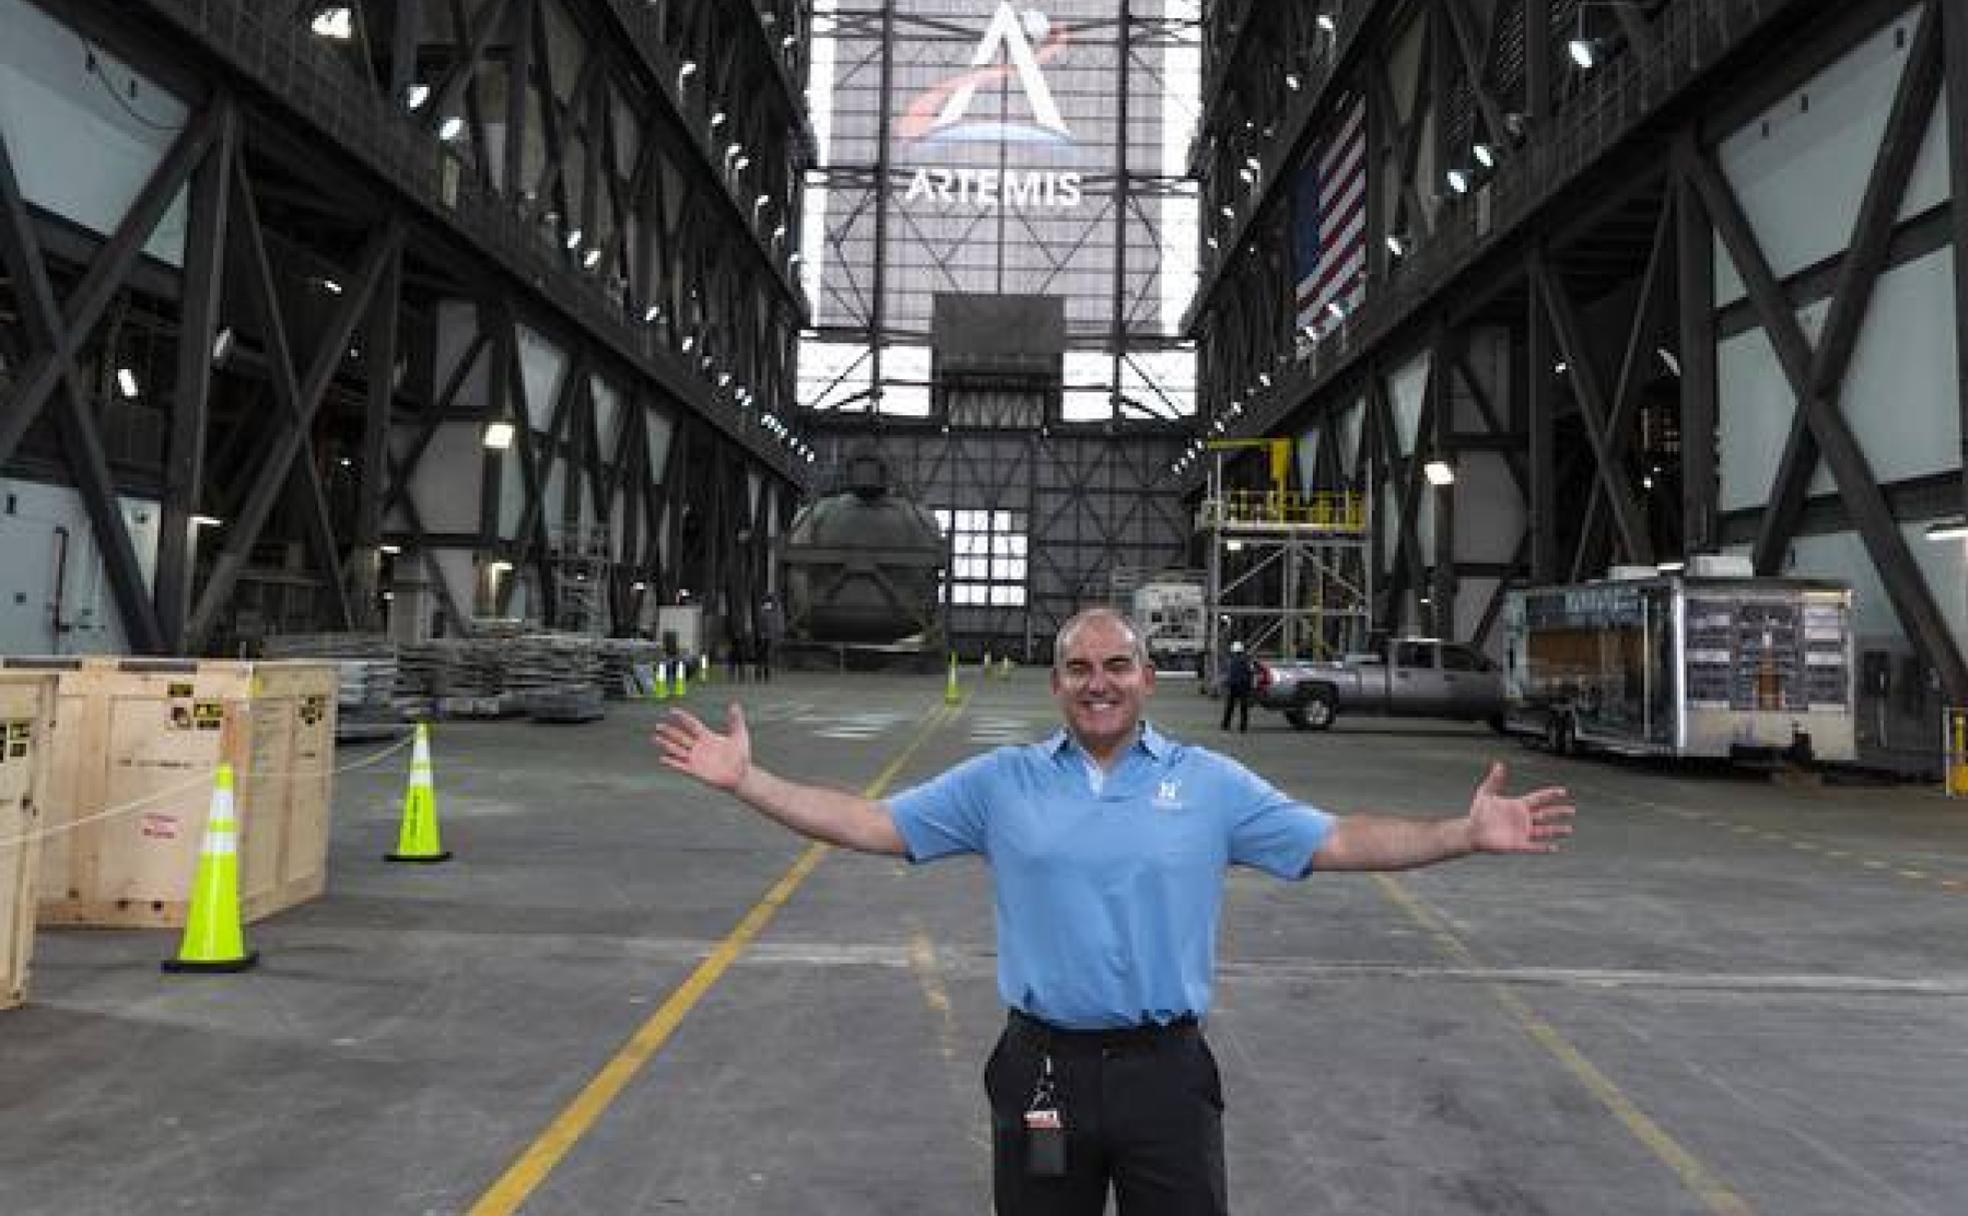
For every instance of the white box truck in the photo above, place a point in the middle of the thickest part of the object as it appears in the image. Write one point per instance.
(1695, 665)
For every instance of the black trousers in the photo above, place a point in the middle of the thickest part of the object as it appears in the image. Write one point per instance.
(1143, 1111)
(1240, 702)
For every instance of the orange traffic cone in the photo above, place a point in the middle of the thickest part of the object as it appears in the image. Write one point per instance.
(416, 840)
(213, 940)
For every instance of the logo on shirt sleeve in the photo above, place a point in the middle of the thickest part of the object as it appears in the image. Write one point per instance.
(1168, 796)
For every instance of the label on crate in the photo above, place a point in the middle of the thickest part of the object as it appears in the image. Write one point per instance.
(178, 690)
(208, 715)
(313, 710)
(160, 827)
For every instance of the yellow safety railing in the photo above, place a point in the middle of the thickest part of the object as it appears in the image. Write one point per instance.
(1335, 510)
(1954, 751)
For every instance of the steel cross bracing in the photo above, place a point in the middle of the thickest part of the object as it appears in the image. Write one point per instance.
(1527, 332)
(600, 119)
(319, 403)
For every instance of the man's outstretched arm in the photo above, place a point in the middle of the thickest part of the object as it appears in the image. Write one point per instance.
(1496, 823)
(724, 761)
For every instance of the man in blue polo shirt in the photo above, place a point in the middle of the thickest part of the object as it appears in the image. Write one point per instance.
(1108, 846)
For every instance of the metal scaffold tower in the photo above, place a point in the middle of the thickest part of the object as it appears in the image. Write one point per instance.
(581, 566)
(1287, 572)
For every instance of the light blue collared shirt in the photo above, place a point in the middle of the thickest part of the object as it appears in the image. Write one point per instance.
(1108, 896)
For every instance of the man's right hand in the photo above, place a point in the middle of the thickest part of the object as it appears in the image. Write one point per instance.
(691, 747)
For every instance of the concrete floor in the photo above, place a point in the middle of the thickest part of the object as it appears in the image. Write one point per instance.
(1730, 996)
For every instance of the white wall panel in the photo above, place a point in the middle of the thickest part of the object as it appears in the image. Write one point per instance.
(658, 429)
(1800, 167)
(1472, 599)
(1899, 393)
(1407, 388)
(541, 365)
(1754, 407)
(1490, 513)
(1306, 452)
(512, 495)
(446, 481)
(83, 138)
(457, 325)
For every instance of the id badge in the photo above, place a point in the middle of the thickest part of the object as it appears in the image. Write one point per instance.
(1045, 1143)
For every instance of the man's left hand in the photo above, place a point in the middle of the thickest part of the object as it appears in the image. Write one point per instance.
(1528, 823)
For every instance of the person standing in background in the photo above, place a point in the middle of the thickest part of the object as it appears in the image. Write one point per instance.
(1239, 679)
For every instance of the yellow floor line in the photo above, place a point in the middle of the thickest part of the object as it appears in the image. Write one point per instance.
(526, 1174)
(1714, 1194)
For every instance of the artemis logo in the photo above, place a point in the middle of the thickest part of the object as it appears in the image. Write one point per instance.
(990, 188)
(938, 113)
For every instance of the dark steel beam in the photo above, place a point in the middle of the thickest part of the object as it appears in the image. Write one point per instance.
(201, 288)
(1588, 390)
(1954, 51)
(1858, 274)
(302, 398)
(1695, 298)
(107, 273)
(81, 444)
(1913, 601)
(1539, 410)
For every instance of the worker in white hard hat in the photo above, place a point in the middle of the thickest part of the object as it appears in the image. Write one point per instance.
(1239, 677)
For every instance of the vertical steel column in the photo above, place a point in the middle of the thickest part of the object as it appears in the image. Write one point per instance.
(878, 298)
(202, 287)
(1694, 251)
(380, 348)
(1123, 189)
(1538, 425)
(1954, 59)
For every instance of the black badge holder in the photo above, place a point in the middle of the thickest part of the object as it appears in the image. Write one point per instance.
(1045, 1127)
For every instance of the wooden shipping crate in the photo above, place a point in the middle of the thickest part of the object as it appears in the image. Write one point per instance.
(135, 747)
(27, 721)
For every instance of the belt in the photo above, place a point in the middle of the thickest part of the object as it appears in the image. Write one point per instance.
(1146, 1037)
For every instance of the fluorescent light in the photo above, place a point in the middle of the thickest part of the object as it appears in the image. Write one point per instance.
(1948, 529)
(498, 436)
(498, 567)
(591, 259)
(1458, 181)
(653, 313)
(638, 585)
(1485, 155)
(451, 128)
(1291, 81)
(416, 95)
(334, 21)
(1337, 310)
(126, 382)
(1667, 357)
(1439, 473)
(331, 287)
(1326, 22)
(574, 239)
(1584, 53)
(717, 120)
(392, 550)
(222, 343)
(1397, 245)
(1671, 567)
(206, 521)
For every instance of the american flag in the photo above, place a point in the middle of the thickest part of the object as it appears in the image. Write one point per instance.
(1330, 223)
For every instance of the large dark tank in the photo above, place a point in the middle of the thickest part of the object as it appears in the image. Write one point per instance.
(861, 564)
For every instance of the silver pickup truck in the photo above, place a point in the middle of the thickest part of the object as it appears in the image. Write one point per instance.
(1425, 679)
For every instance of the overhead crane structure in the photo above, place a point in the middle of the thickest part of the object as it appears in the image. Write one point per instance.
(1286, 570)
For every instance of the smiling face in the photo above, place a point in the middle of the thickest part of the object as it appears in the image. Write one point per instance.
(1102, 680)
